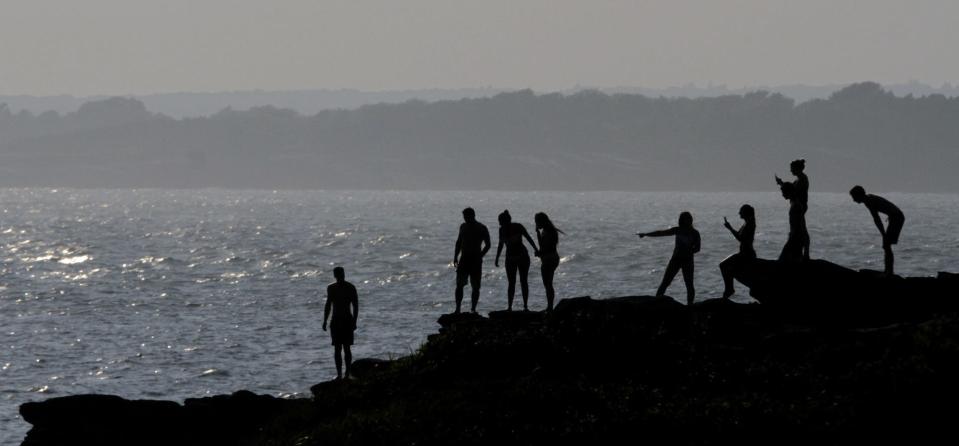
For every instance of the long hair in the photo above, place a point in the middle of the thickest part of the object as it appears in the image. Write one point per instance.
(543, 222)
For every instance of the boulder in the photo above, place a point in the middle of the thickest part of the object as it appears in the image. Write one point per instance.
(818, 289)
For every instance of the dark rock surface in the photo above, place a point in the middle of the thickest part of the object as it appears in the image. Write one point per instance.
(809, 364)
(111, 420)
(821, 291)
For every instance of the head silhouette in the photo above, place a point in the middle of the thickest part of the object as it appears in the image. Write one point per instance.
(339, 274)
(788, 190)
(797, 166)
(469, 215)
(858, 194)
(505, 219)
(685, 220)
(543, 222)
(746, 212)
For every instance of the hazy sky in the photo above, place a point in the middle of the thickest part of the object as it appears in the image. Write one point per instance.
(85, 47)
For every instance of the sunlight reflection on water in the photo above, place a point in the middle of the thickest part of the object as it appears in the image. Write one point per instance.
(177, 294)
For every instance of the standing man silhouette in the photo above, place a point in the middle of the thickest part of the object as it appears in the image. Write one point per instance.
(471, 245)
(890, 233)
(341, 298)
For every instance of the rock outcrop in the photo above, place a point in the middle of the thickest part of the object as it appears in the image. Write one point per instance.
(786, 371)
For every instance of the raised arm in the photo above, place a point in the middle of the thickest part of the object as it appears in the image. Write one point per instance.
(736, 234)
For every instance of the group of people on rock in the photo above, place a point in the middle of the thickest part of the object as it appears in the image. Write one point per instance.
(797, 243)
(473, 242)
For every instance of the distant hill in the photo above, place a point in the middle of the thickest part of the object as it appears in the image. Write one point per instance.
(308, 102)
(519, 140)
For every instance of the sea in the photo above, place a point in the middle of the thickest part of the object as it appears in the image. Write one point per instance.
(175, 294)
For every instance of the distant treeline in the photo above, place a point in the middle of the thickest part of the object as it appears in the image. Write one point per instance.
(520, 140)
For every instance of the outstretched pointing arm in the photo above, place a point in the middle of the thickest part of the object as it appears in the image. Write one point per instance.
(663, 233)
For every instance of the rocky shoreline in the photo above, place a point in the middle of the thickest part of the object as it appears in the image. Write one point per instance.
(614, 370)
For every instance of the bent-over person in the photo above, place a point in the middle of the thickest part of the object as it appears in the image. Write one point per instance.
(890, 233)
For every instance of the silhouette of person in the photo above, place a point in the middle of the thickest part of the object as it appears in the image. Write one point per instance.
(687, 245)
(896, 219)
(517, 258)
(798, 241)
(744, 235)
(548, 237)
(341, 299)
(800, 197)
(471, 245)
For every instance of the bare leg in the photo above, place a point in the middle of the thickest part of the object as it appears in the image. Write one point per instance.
(688, 269)
(548, 270)
(524, 282)
(475, 277)
(459, 297)
(461, 279)
(889, 258)
(511, 283)
(348, 357)
(727, 268)
(671, 269)
(337, 350)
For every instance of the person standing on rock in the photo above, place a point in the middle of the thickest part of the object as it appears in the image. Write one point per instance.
(548, 237)
(343, 303)
(734, 263)
(471, 245)
(511, 236)
(896, 219)
(800, 197)
(797, 243)
(687, 245)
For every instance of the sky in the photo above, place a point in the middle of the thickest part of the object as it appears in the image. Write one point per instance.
(90, 47)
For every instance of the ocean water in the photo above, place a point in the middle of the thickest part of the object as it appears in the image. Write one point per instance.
(173, 294)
